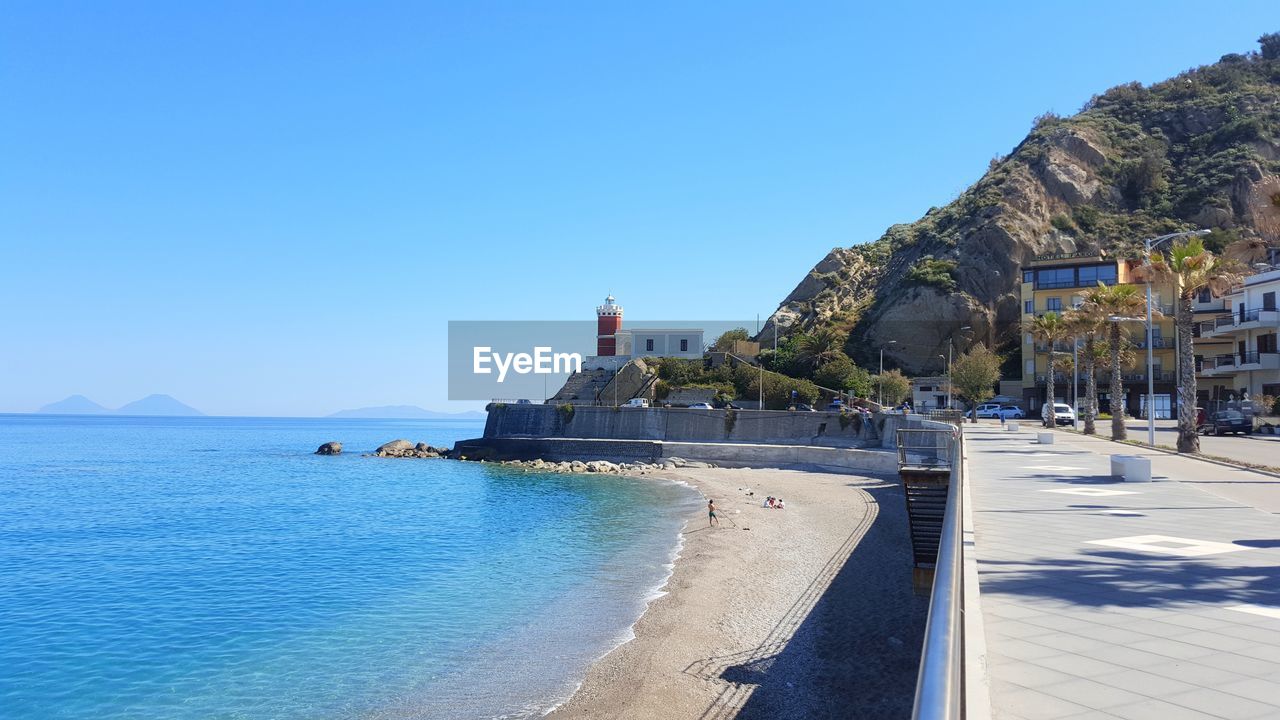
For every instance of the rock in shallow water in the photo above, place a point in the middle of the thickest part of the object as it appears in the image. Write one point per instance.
(330, 448)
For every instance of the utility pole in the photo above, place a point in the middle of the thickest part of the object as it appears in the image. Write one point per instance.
(1150, 244)
(880, 377)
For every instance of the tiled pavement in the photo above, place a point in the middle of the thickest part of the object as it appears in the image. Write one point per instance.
(1105, 599)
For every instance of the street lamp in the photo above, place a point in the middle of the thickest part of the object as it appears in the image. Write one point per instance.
(1120, 319)
(1151, 244)
(950, 347)
(880, 380)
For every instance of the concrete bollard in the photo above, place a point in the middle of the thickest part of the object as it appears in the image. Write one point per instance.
(1044, 438)
(1137, 469)
(1117, 465)
(1011, 426)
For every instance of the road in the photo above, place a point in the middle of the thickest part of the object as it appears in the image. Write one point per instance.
(1256, 449)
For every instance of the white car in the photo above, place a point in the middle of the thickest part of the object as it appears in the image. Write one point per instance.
(1060, 413)
(1010, 412)
(637, 403)
(701, 406)
(988, 410)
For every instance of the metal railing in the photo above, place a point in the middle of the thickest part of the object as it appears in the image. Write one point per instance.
(940, 683)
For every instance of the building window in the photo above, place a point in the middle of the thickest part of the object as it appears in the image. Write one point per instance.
(1268, 301)
(1029, 307)
(1051, 278)
(1028, 275)
(1267, 343)
(648, 345)
(1205, 295)
(1030, 368)
(684, 345)
(1053, 304)
(1030, 339)
(1091, 276)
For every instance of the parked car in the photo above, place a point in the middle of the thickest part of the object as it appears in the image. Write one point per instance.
(637, 403)
(1057, 413)
(835, 405)
(1231, 421)
(701, 406)
(1011, 412)
(986, 410)
(803, 407)
(524, 401)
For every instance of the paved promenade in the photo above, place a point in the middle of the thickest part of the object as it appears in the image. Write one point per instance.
(1105, 599)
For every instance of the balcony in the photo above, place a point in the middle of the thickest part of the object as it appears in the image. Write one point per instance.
(1258, 361)
(1228, 364)
(1241, 321)
(1157, 343)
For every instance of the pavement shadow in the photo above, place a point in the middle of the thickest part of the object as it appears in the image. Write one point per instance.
(1125, 579)
(854, 634)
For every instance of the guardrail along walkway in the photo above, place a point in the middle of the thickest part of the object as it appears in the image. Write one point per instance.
(1104, 598)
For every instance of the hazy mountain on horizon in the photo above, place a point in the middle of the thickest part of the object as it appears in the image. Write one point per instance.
(150, 405)
(404, 412)
(74, 405)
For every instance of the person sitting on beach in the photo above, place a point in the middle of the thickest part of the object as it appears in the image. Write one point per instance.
(769, 502)
(779, 504)
(711, 512)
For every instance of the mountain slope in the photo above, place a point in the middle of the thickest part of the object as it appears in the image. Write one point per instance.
(74, 405)
(157, 405)
(1201, 150)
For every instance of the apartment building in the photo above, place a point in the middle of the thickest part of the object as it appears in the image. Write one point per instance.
(1235, 348)
(1055, 283)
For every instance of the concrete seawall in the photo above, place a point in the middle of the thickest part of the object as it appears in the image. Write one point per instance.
(780, 439)
(823, 429)
(797, 457)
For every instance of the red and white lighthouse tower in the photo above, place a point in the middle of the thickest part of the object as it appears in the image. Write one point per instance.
(608, 323)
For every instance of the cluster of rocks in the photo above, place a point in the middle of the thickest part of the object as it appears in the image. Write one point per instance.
(605, 466)
(406, 449)
(330, 448)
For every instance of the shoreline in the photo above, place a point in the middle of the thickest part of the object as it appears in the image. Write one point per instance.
(756, 614)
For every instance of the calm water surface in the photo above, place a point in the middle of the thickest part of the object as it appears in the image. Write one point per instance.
(214, 568)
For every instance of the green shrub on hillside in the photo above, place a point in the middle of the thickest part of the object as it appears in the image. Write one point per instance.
(933, 272)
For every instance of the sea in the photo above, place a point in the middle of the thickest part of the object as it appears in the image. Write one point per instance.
(216, 568)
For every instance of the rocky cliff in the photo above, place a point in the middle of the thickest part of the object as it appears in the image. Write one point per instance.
(1201, 150)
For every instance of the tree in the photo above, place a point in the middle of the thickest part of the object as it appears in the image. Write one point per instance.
(1191, 268)
(1086, 323)
(842, 374)
(725, 342)
(1270, 46)
(778, 388)
(818, 348)
(1049, 329)
(1118, 301)
(893, 385)
(974, 375)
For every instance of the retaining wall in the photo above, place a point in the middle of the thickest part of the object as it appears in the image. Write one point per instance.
(778, 427)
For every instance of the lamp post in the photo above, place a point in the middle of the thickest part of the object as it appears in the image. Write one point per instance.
(950, 347)
(1120, 319)
(944, 359)
(1150, 244)
(880, 379)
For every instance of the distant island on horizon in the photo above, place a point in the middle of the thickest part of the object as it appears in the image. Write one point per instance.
(156, 404)
(405, 412)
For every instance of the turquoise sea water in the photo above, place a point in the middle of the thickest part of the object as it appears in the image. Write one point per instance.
(215, 568)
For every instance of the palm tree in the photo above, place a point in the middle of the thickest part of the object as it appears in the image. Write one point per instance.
(1191, 269)
(1049, 329)
(1117, 301)
(1086, 323)
(819, 348)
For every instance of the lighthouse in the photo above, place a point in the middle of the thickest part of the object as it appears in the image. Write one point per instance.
(608, 323)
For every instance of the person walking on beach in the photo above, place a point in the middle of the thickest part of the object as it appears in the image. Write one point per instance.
(711, 512)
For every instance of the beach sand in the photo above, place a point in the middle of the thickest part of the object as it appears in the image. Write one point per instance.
(806, 612)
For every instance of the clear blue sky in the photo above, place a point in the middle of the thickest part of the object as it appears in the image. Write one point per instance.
(274, 208)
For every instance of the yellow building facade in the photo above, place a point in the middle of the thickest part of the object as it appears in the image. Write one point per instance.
(1057, 283)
